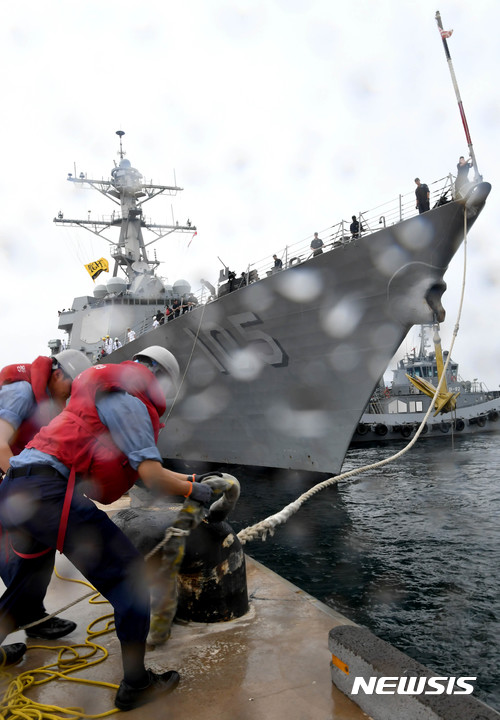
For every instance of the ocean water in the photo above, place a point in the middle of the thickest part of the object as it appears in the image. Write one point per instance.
(410, 550)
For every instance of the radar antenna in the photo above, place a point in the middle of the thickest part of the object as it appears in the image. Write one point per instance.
(120, 134)
(126, 189)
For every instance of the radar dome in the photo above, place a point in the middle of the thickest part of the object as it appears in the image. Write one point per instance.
(116, 285)
(181, 287)
(100, 291)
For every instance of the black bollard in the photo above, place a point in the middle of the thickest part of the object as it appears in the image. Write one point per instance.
(211, 582)
(212, 579)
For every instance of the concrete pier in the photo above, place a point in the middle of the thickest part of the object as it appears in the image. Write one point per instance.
(289, 658)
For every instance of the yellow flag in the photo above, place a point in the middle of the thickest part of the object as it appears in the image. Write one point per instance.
(95, 268)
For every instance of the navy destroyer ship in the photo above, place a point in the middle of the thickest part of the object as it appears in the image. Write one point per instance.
(277, 364)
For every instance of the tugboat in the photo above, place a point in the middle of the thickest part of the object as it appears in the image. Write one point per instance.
(463, 407)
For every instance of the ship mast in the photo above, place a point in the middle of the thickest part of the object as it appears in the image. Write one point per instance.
(446, 34)
(126, 189)
(423, 343)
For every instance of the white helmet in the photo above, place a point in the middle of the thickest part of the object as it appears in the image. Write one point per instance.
(72, 362)
(156, 354)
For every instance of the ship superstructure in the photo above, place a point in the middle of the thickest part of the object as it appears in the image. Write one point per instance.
(133, 293)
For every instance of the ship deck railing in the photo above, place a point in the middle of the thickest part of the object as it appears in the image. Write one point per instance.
(339, 235)
(335, 236)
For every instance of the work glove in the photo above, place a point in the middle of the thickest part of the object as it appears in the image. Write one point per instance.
(229, 486)
(227, 489)
(201, 493)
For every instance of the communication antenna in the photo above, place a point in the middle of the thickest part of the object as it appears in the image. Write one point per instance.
(444, 35)
(120, 134)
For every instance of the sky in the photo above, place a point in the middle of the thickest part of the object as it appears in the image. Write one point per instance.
(277, 117)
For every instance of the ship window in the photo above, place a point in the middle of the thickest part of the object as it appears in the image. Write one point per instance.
(397, 406)
(418, 372)
(416, 406)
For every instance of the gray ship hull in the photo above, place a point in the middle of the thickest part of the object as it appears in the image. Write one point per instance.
(278, 373)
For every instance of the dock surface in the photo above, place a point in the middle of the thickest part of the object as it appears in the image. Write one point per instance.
(273, 663)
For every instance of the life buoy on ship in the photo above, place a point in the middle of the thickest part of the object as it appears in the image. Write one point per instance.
(387, 392)
(444, 427)
(406, 430)
(362, 429)
(381, 429)
(493, 415)
(481, 421)
(459, 425)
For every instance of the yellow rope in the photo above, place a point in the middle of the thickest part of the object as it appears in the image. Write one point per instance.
(14, 702)
(93, 595)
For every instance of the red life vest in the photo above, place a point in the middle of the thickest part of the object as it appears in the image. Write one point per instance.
(37, 374)
(79, 439)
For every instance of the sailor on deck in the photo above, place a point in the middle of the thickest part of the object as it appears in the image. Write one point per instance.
(108, 345)
(422, 195)
(355, 227)
(97, 448)
(316, 245)
(31, 394)
(463, 168)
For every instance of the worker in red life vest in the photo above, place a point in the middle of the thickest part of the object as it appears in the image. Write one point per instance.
(97, 448)
(30, 396)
